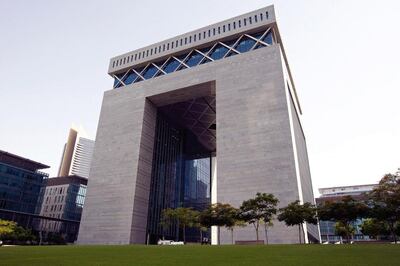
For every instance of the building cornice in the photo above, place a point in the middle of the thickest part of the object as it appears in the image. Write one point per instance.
(243, 23)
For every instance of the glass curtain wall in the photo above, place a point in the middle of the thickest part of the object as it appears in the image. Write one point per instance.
(20, 189)
(181, 174)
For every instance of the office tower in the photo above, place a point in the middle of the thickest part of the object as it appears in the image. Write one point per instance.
(211, 115)
(77, 154)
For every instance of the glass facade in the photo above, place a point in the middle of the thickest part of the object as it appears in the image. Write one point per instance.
(61, 206)
(328, 232)
(214, 51)
(63, 200)
(74, 202)
(181, 175)
(20, 188)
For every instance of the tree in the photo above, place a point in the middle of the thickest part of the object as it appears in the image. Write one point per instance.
(266, 225)
(6, 229)
(218, 214)
(374, 228)
(346, 211)
(185, 217)
(199, 226)
(56, 238)
(11, 231)
(385, 201)
(262, 208)
(167, 217)
(343, 230)
(202, 229)
(237, 223)
(397, 229)
(297, 214)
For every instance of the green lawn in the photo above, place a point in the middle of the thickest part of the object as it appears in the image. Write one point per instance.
(382, 255)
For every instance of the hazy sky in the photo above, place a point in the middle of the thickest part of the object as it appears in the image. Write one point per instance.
(344, 56)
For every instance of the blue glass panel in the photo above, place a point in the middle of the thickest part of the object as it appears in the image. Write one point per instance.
(268, 38)
(159, 64)
(171, 66)
(230, 43)
(206, 60)
(149, 72)
(181, 57)
(117, 83)
(139, 70)
(259, 45)
(205, 50)
(218, 52)
(245, 45)
(181, 67)
(180, 177)
(194, 59)
(130, 78)
(257, 35)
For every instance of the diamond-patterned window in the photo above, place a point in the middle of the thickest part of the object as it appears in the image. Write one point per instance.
(130, 77)
(117, 83)
(205, 51)
(149, 72)
(218, 52)
(194, 59)
(268, 38)
(245, 44)
(183, 61)
(205, 60)
(257, 35)
(159, 64)
(182, 56)
(230, 43)
(171, 65)
(259, 45)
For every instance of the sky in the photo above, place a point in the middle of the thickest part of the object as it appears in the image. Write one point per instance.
(344, 56)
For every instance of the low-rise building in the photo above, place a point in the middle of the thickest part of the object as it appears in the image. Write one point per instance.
(357, 192)
(20, 187)
(63, 198)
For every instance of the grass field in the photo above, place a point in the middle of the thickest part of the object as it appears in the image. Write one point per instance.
(382, 255)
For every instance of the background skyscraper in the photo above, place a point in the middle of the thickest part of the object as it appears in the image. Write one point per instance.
(77, 154)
